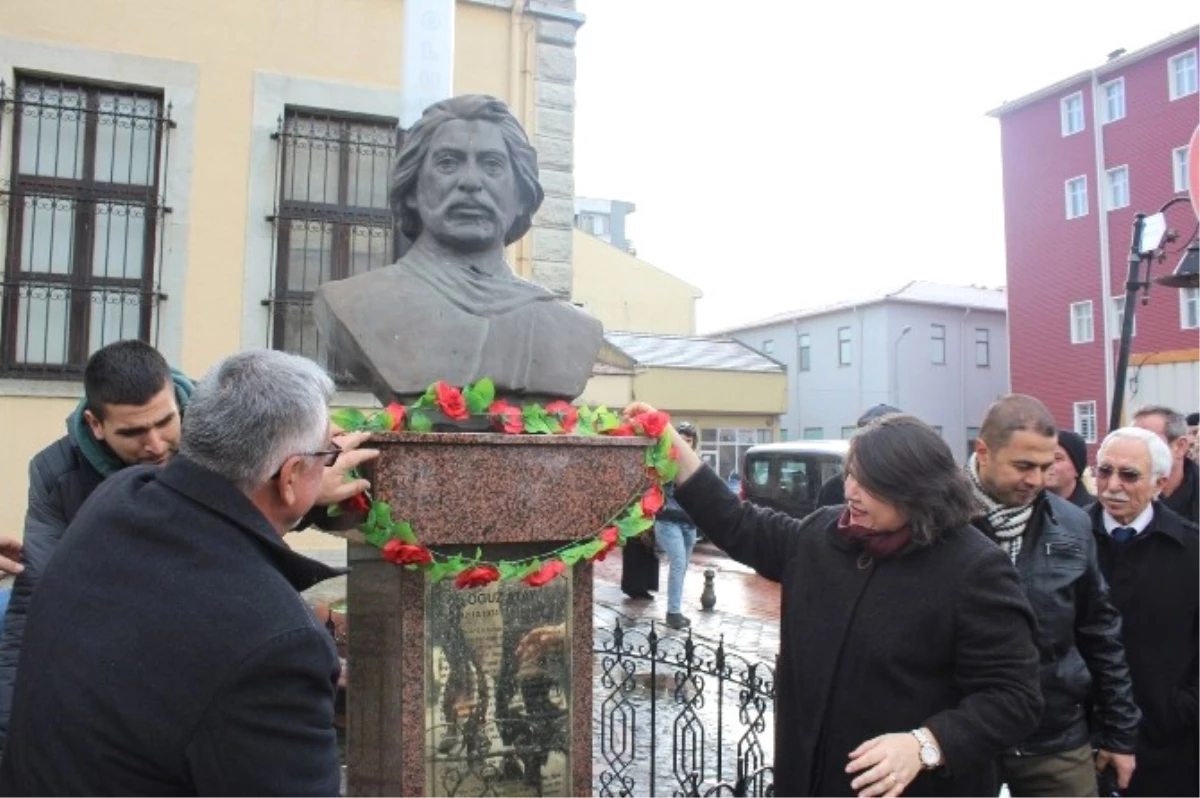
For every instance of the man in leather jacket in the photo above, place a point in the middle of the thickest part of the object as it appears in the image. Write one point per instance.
(1079, 631)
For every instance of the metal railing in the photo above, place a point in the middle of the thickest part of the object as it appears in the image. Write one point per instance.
(716, 709)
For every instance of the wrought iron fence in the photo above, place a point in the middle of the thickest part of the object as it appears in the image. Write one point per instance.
(715, 708)
(671, 716)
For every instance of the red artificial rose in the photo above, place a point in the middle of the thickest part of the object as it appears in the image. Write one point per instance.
(450, 401)
(477, 576)
(506, 418)
(396, 413)
(402, 553)
(654, 423)
(609, 537)
(567, 414)
(623, 431)
(546, 574)
(652, 501)
(357, 504)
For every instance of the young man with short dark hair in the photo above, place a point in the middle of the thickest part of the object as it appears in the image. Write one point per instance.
(1081, 656)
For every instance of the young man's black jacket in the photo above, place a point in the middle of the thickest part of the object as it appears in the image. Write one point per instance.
(1078, 633)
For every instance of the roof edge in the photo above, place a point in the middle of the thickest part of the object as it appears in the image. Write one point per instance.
(1104, 69)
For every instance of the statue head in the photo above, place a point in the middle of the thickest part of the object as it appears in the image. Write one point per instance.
(466, 174)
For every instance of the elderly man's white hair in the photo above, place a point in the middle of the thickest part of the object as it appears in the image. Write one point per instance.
(1160, 453)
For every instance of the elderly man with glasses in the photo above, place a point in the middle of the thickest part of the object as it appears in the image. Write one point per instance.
(169, 651)
(1151, 559)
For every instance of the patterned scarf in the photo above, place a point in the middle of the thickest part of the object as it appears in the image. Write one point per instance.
(1007, 523)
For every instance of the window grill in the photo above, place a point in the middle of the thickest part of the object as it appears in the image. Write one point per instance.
(332, 219)
(84, 211)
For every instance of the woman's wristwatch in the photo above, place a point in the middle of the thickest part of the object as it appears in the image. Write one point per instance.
(931, 755)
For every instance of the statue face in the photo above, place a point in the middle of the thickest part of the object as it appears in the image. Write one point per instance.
(466, 191)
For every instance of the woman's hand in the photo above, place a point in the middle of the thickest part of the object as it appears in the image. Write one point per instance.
(689, 462)
(886, 764)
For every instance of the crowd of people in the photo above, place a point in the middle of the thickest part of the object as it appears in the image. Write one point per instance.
(945, 630)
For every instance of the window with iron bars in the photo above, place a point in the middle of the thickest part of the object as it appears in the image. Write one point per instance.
(332, 218)
(84, 212)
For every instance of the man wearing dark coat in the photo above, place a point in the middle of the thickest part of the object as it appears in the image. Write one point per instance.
(130, 414)
(1151, 558)
(1070, 461)
(1079, 630)
(169, 651)
(1181, 493)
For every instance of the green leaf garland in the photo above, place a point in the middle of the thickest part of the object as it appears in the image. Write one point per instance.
(398, 540)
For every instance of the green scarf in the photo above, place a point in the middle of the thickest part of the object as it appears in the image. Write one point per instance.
(97, 453)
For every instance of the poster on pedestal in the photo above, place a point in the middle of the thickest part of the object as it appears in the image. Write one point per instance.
(498, 689)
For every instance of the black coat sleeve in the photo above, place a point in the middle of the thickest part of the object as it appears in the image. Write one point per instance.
(1098, 637)
(995, 667)
(269, 731)
(761, 539)
(45, 523)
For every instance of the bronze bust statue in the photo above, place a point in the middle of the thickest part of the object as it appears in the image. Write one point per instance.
(464, 186)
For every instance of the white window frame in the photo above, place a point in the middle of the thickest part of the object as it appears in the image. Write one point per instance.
(1188, 296)
(1077, 318)
(986, 361)
(1067, 118)
(1067, 196)
(804, 352)
(1118, 317)
(1174, 90)
(1084, 412)
(1110, 200)
(1108, 115)
(937, 344)
(1179, 168)
(768, 346)
(845, 347)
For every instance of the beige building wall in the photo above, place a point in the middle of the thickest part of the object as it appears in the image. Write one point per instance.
(228, 68)
(628, 294)
(713, 392)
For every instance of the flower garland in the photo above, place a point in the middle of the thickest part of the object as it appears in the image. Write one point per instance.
(398, 541)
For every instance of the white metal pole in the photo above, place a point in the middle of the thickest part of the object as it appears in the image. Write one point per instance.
(427, 58)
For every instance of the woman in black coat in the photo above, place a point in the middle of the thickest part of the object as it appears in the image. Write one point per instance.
(907, 662)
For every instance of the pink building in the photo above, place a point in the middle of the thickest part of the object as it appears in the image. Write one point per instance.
(1081, 158)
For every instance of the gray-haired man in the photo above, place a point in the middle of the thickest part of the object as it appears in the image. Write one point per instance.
(1181, 493)
(169, 651)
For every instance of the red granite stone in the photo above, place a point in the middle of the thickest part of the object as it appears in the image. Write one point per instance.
(478, 488)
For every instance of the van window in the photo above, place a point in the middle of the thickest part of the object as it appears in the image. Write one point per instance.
(759, 471)
(829, 469)
(793, 479)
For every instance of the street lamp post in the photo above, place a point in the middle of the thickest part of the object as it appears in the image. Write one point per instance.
(1150, 237)
(894, 399)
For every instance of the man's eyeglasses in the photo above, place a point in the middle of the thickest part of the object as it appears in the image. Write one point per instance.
(1129, 476)
(331, 455)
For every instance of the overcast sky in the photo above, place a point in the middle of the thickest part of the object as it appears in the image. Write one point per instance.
(787, 154)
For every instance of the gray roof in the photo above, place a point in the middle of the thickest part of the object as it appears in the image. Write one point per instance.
(1115, 63)
(680, 352)
(917, 291)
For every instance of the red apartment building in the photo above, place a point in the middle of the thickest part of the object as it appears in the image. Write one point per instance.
(1081, 158)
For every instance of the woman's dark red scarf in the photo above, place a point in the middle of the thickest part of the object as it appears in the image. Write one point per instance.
(879, 545)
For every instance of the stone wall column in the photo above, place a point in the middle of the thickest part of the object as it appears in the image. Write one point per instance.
(556, 23)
